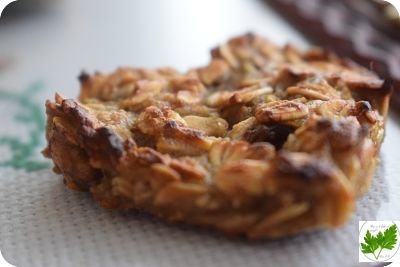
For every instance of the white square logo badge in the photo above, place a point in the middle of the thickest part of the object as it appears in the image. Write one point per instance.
(379, 241)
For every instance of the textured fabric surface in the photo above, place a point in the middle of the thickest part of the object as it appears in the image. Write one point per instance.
(44, 224)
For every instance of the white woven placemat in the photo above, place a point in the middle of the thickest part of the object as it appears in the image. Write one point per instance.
(44, 224)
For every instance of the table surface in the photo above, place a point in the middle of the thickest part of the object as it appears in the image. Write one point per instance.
(47, 225)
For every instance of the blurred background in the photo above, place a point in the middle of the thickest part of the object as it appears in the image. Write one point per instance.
(52, 41)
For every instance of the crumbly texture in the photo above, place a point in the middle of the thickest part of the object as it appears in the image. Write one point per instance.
(264, 141)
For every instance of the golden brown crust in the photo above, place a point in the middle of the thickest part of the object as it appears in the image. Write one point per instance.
(264, 141)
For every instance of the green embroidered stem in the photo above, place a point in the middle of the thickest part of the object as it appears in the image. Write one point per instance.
(30, 113)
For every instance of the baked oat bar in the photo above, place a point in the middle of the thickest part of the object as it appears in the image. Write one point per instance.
(264, 141)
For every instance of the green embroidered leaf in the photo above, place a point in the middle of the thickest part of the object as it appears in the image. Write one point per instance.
(371, 243)
(23, 152)
(389, 238)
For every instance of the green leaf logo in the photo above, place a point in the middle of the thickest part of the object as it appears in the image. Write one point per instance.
(376, 244)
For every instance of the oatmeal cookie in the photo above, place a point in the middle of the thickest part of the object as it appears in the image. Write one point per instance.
(264, 141)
